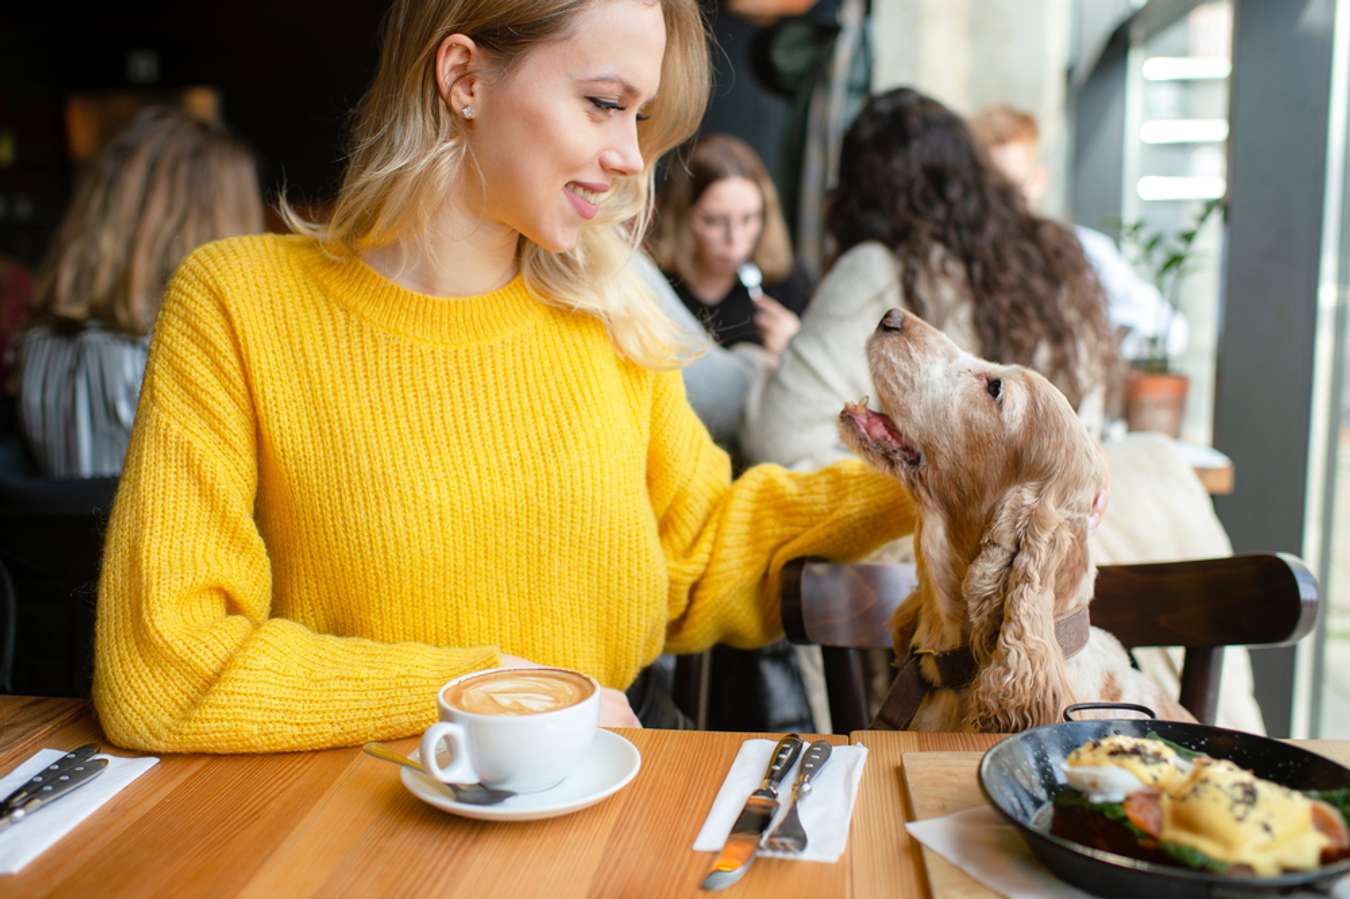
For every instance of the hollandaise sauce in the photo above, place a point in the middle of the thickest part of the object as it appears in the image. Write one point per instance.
(1201, 812)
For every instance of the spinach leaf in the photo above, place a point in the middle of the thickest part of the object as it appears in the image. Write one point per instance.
(1187, 754)
(1192, 858)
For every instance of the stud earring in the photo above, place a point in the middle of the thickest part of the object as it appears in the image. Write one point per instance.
(467, 111)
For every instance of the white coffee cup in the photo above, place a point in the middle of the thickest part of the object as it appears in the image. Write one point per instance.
(519, 729)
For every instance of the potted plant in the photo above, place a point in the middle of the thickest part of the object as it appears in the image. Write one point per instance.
(1155, 394)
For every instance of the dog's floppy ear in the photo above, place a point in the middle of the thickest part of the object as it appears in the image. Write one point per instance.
(1010, 597)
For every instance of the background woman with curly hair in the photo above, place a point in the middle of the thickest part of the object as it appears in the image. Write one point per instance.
(921, 220)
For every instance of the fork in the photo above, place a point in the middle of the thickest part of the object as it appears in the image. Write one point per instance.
(789, 836)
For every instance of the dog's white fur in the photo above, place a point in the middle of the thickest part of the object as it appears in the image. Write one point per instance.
(1004, 486)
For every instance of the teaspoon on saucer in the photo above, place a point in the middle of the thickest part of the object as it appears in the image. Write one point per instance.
(470, 794)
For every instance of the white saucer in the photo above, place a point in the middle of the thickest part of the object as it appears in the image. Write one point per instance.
(607, 768)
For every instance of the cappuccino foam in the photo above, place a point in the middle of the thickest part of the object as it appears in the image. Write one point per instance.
(518, 692)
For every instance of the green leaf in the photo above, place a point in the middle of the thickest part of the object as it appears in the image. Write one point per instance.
(1192, 858)
(1155, 363)
(1180, 750)
(1175, 261)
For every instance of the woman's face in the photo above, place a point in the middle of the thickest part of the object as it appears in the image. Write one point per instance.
(554, 135)
(727, 221)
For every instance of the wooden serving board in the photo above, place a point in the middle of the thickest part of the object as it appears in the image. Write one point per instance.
(940, 783)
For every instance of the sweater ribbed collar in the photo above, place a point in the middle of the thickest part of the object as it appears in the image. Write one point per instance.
(500, 313)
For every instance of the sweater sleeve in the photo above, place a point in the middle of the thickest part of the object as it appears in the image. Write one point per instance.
(726, 543)
(187, 656)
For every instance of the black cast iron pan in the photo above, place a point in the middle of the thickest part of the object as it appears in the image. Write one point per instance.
(1022, 773)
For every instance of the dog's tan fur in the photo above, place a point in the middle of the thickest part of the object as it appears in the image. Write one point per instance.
(1004, 487)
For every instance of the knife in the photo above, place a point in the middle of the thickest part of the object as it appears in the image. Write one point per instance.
(739, 850)
(72, 770)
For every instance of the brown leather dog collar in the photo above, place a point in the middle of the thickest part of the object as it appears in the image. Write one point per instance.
(956, 668)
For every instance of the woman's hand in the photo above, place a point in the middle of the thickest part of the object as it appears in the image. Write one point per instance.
(506, 661)
(776, 324)
(614, 708)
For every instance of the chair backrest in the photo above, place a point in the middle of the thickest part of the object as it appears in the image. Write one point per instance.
(51, 544)
(1202, 605)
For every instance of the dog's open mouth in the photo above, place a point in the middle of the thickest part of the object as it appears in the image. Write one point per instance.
(882, 433)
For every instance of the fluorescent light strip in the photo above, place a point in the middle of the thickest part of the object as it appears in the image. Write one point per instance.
(1186, 68)
(1189, 187)
(1184, 131)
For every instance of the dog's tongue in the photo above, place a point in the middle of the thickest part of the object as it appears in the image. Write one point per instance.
(874, 424)
(879, 428)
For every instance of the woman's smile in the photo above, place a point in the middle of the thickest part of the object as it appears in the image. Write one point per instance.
(585, 197)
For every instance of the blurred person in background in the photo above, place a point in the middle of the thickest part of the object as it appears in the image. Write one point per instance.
(717, 382)
(921, 221)
(162, 186)
(1012, 139)
(721, 240)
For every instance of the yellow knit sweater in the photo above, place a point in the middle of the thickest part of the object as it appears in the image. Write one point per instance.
(340, 493)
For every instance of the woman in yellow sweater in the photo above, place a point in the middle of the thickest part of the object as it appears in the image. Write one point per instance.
(446, 430)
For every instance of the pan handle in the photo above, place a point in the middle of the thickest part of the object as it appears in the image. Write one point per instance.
(1069, 711)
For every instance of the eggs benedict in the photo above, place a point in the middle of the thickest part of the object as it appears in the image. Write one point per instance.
(1141, 797)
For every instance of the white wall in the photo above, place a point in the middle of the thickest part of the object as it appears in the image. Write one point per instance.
(970, 53)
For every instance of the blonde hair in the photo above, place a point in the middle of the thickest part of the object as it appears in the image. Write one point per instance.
(713, 158)
(163, 186)
(998, 125)
(408, 149)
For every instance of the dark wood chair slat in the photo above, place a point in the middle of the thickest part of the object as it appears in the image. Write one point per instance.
(1201, 605)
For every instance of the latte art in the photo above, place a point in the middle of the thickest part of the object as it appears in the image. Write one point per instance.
(523, 692)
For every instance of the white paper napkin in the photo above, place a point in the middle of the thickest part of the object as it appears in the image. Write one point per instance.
(984, 845)
(825, 814)
(30, 837)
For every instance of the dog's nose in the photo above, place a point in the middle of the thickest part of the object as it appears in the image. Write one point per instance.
(893, 320)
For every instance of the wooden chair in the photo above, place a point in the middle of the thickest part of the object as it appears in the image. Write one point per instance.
(1203, 606)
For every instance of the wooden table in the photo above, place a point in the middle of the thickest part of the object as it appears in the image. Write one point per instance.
(340, 823)
(1214, 469)
(1218, 479)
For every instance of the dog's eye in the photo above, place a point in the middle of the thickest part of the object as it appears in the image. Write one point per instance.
(994, 386)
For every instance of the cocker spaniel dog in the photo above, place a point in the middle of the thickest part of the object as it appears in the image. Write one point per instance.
(995, 637)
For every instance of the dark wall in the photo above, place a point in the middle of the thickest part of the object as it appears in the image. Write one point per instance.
(1099, 139)
(288, 74)
(1267, 335)
(741, 104)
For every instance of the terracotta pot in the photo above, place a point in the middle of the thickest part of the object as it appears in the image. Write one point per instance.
(1155, 402)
